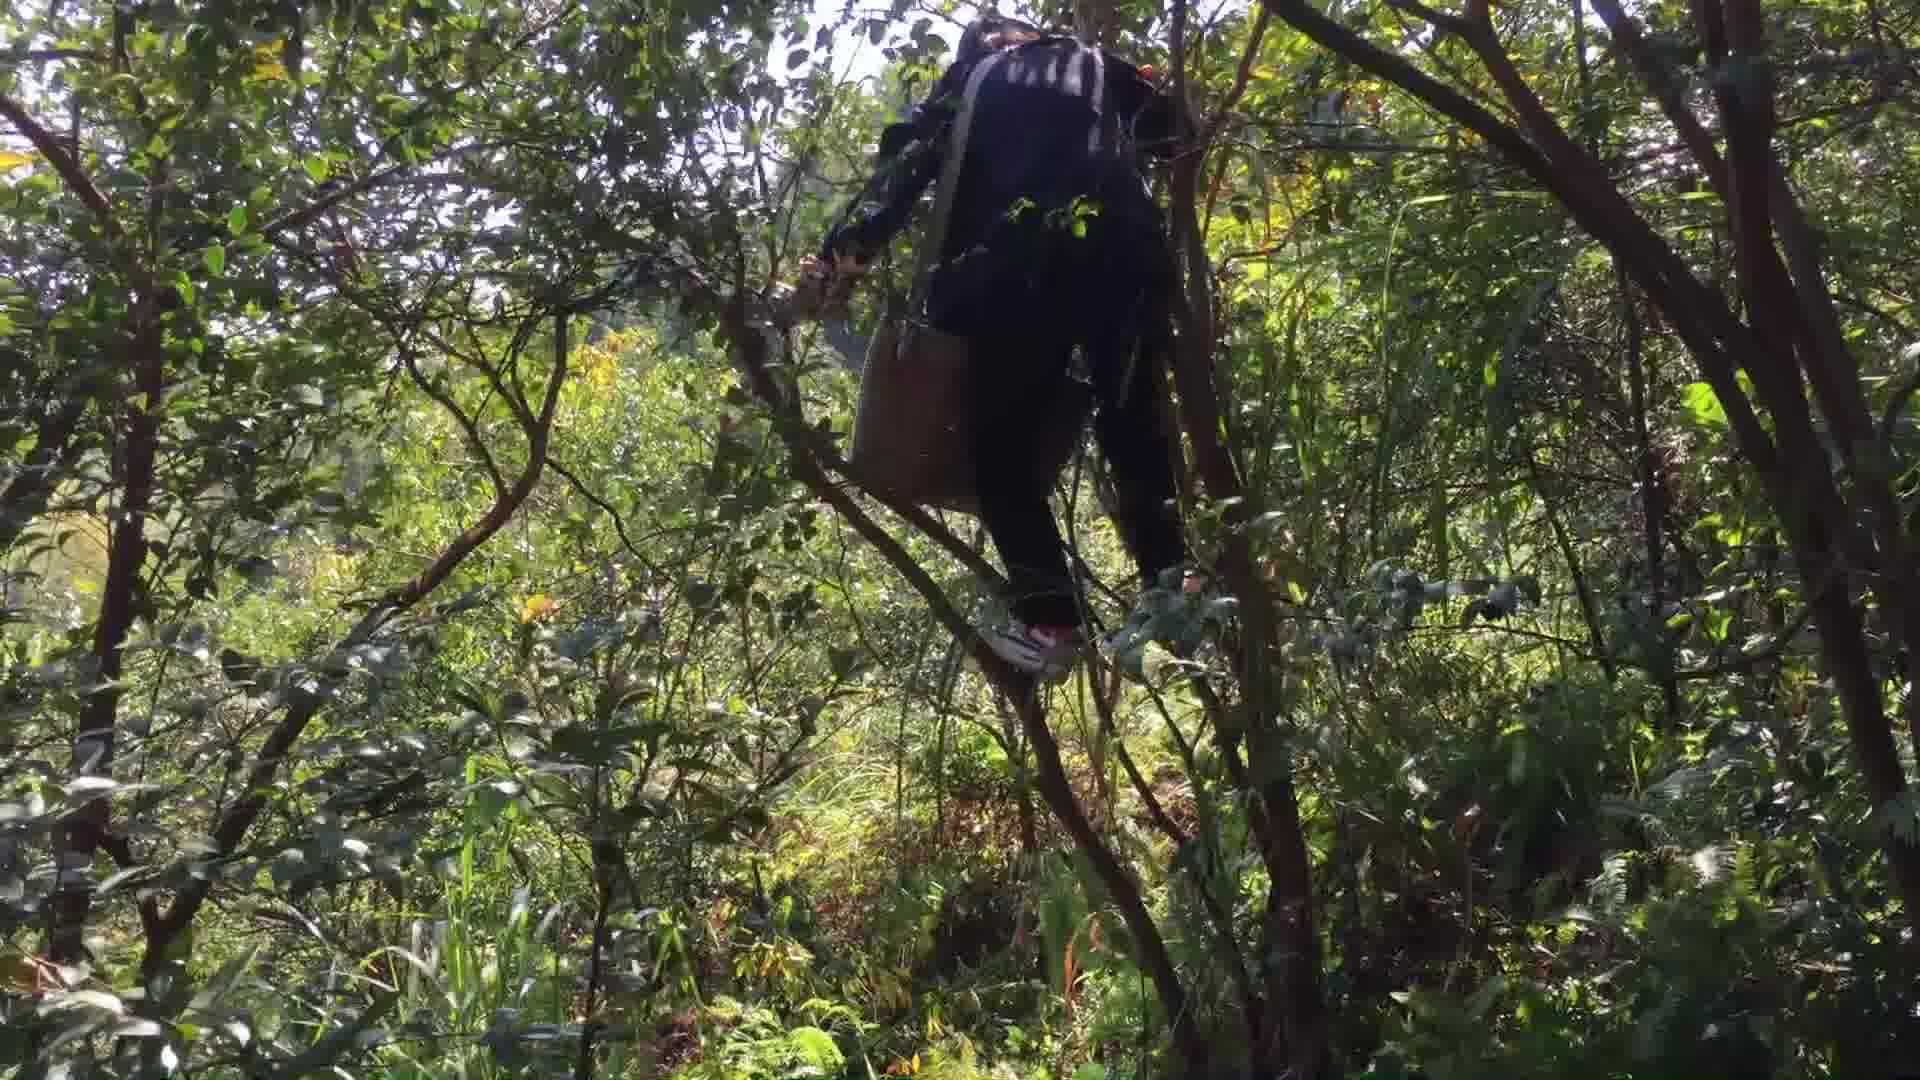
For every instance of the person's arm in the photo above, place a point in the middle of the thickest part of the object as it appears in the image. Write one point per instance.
(911, 154)
(1154, 115)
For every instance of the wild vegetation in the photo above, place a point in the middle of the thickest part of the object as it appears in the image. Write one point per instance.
(442, 636)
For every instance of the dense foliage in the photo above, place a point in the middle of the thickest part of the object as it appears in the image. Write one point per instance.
(439, 635)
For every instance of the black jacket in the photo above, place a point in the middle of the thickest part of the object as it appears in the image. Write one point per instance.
(1029, 144)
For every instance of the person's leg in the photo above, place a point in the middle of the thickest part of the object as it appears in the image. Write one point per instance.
(1019, 382)
(999, 298)
(1141, 444)
(1136, 437)
(1133, 422)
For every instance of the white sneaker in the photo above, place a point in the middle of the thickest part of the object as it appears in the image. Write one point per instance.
(1048, 653)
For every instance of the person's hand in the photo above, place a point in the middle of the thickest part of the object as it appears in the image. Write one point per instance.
(824, 287)
(812, 270)
(809, 295)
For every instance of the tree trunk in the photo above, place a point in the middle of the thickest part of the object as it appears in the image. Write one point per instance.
(750, 351)
(1294, 1035)
(90, 829)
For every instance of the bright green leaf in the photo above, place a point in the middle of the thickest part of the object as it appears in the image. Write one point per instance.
(1704, 405)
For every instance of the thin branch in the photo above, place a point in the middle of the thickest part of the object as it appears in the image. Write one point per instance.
(1895, 406)
(1217, 916)
(1220, 115)
(460, 417)
(65, 164)
(1452, 24)
(304, 705)
(1589, 607)
(1704, 322)
(750, 350)
(1745, 659)
(1637, 53)
(607, 508)
(324, 1056)
(294, 219)
(1831, 366)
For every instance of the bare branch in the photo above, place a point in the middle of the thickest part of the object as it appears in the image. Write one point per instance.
(538, 432)
(750, 349)
(1638, 52)
(304, 705)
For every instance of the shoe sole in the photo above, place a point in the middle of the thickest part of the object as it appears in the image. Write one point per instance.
(1043, 666)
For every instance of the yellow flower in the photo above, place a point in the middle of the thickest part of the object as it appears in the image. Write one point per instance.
(538, 606)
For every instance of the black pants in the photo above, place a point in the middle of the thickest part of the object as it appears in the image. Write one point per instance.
(1025, 301)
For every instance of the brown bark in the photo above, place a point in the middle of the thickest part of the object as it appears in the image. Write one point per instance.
(750, 351)
(65, 164)
(1653, 502)
(1293, 1030)
(89, 829)
(1746, 105)
(1817, 328)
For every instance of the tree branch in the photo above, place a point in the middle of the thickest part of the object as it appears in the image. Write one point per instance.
(1698, 314)
(1452, 24)
(334, 196)
(55, 450)
(65, 164)
(89, 828)
(1240, 77)
(460, 417)
(750, 347)
(607, 508)
(1293, 1030)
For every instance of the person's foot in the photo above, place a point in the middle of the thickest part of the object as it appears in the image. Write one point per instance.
(1048, 653)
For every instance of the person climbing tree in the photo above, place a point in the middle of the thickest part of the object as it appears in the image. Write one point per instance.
(1054, 241)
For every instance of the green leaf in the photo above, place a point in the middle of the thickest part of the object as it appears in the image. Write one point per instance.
(237, 219)
(1703, 405)
(317, 168)
(816, 1046)
(216, 259)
